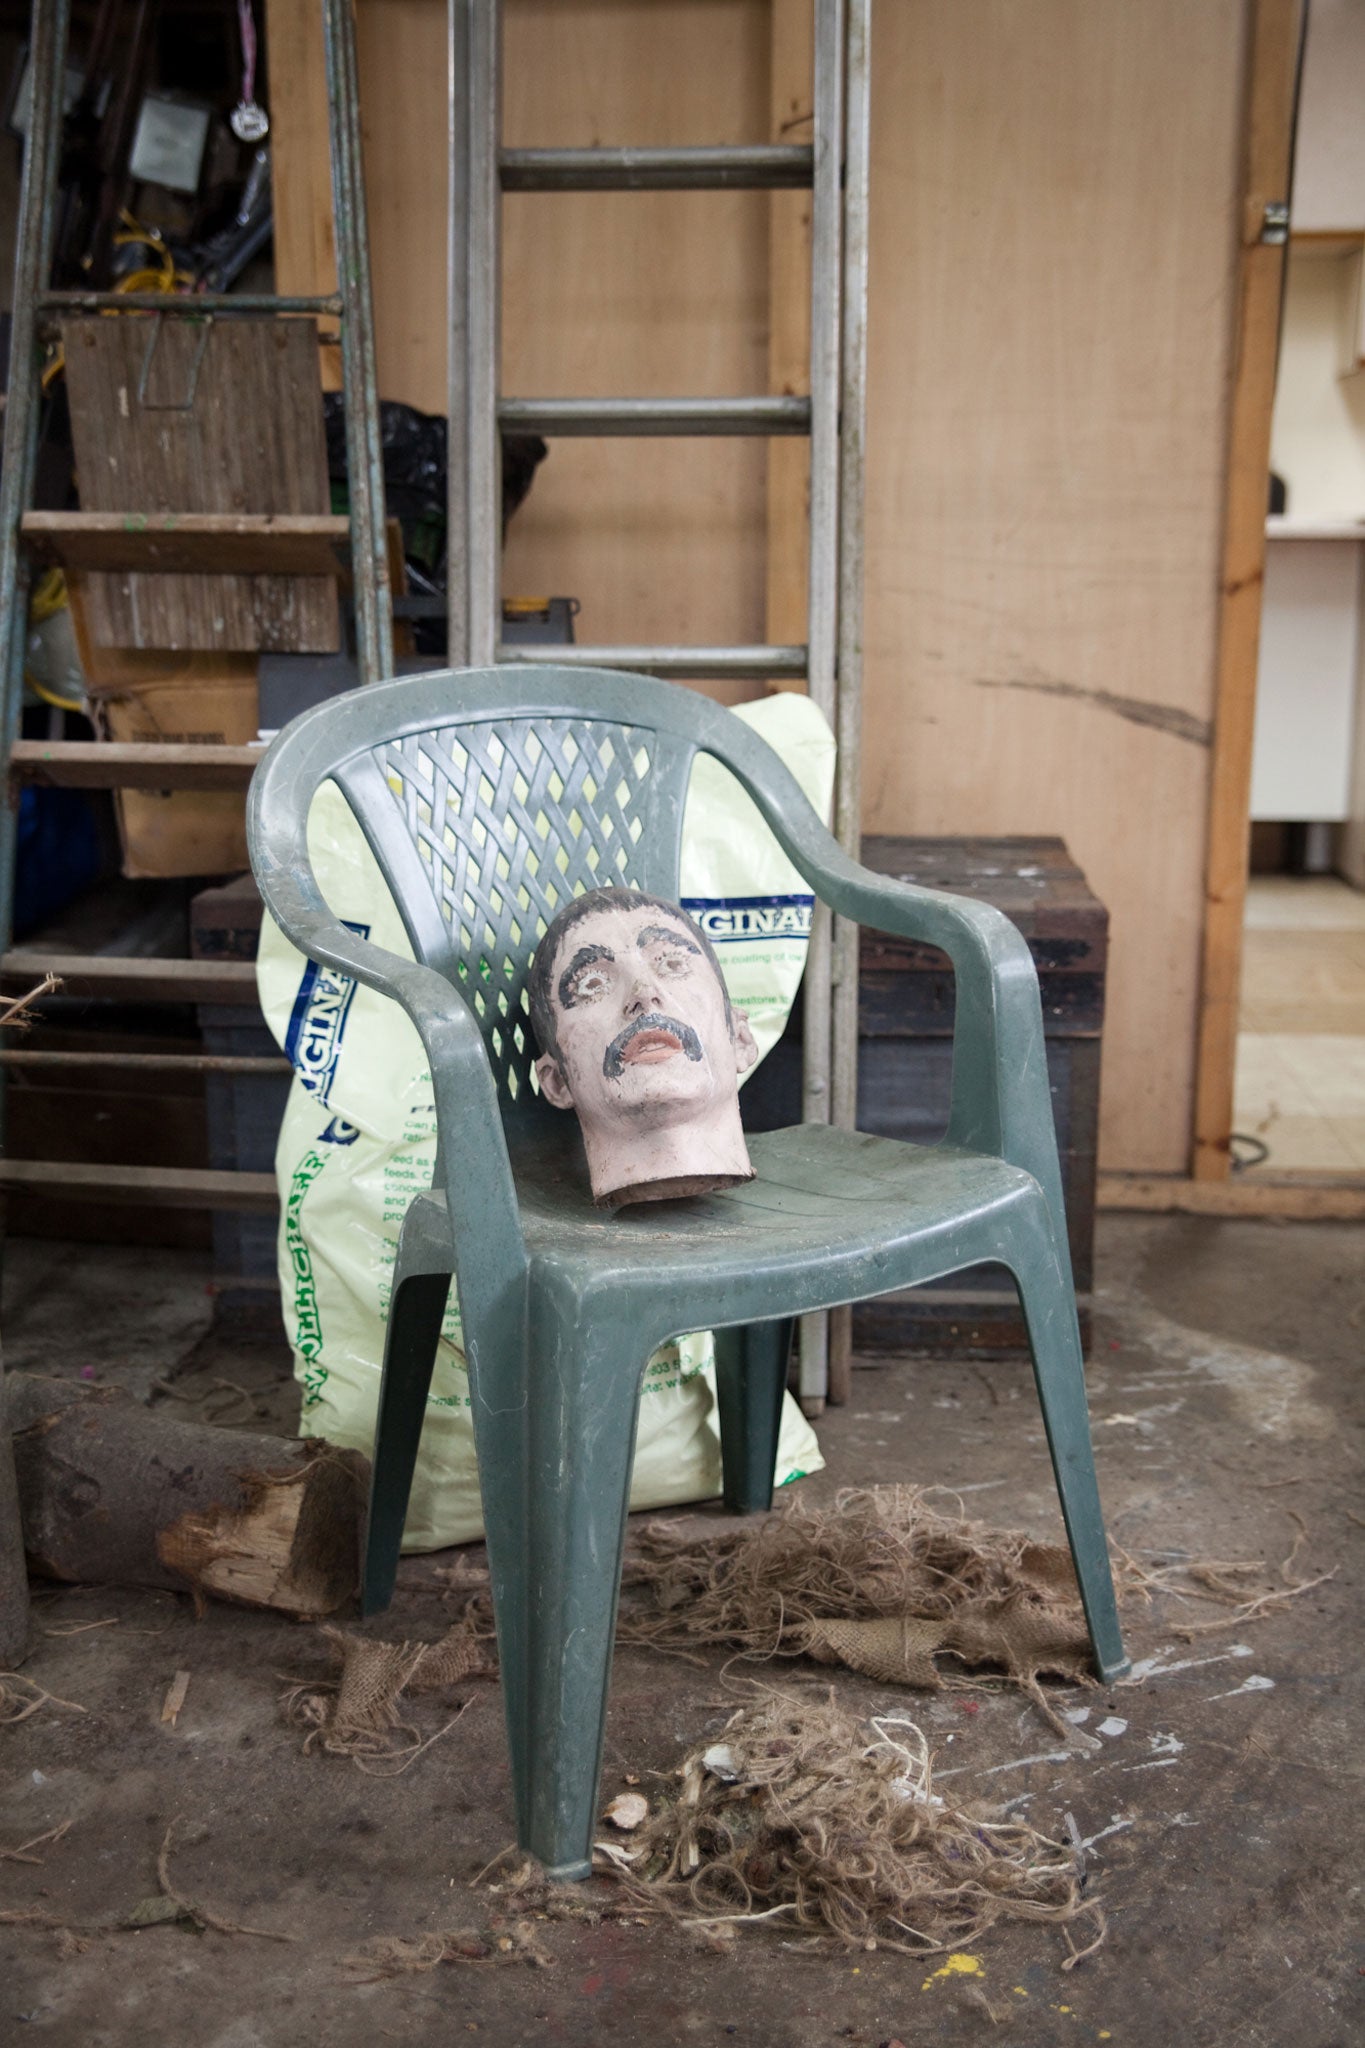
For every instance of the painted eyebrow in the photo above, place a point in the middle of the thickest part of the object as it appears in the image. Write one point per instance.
(584, 957)
(669, 932)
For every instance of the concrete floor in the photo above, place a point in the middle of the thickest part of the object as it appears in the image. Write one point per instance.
(1226, 1390)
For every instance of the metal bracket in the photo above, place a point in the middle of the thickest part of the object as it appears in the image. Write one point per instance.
(187, 403)
(1275, 222)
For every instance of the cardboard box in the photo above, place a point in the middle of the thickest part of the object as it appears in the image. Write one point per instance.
(205, 699)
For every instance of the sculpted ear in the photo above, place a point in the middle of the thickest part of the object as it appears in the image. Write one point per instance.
(553, 1085)
(746, 1046)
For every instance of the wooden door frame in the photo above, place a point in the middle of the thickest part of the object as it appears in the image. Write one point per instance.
(1273, 29)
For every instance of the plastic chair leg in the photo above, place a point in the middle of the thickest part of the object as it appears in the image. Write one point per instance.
(415, 1315)
(1049, 1305)
(751, 1378)
(556, 1522)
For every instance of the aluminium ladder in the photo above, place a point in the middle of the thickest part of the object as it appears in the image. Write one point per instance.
(190, 544)
(834, 166)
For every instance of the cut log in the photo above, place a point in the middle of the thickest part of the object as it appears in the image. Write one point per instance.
(111, 1493)
(13, 1577)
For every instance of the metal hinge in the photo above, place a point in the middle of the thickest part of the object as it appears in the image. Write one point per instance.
(1275, 221)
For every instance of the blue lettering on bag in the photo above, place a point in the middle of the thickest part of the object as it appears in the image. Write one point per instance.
(735, 920)
(317, 1024)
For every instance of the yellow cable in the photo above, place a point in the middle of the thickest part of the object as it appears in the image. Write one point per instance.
(49, 596)
(166, 278)
(50, 696)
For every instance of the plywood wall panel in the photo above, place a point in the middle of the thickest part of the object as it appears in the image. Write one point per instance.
(1053, 240)
(1053, 249)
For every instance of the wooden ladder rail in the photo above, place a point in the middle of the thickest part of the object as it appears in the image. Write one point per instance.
(352, 548)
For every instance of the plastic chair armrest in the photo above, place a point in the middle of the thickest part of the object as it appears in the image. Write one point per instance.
(481, 1192)
(1001, 1100)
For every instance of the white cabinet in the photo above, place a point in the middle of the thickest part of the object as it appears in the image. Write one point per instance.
(1329, 157)
(1306, 688)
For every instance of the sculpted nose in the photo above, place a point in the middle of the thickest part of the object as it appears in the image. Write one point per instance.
(644, 994)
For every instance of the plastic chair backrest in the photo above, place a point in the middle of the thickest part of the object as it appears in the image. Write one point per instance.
(510, 817)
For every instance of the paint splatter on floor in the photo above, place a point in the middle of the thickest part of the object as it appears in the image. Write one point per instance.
(958, 1965)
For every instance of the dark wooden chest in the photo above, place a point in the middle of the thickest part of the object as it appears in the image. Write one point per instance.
(905, 1065)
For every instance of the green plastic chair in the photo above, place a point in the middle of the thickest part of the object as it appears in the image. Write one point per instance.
(488, 798)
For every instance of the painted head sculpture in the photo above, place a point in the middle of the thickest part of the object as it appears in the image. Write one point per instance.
(630, 1009)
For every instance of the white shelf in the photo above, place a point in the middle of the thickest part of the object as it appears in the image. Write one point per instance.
(1283, 526)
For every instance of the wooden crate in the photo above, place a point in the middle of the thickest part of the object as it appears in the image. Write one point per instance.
(906, 1006)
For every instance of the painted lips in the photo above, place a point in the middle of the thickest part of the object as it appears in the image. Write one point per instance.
(649, 1041)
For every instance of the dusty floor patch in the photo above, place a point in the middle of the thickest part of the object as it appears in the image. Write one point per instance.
(1217, 1819)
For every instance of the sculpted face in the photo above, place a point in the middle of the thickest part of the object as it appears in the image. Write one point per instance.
(645, 1048)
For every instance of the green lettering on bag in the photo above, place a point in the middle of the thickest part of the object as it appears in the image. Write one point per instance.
(308, 1322)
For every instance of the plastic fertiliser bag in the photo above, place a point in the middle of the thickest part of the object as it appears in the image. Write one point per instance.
(358, 1139)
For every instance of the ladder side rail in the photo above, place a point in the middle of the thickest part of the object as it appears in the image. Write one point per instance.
(457, 337)
(364, 451)
(32, 269)
(849, 648)
(822, 590)
(852, 466)
(484, 533)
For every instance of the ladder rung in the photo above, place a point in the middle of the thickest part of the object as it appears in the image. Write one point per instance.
(132, 764)
(649, 416)
(148, 1062)
(758, 166)
(188, 305)
(153, 1187)
(110, 977)
(667, 661)
(192, 543)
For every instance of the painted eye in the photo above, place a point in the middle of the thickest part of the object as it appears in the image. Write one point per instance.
(671, 963)
(590, 983)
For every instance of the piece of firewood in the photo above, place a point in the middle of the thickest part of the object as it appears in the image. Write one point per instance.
(111, 1493)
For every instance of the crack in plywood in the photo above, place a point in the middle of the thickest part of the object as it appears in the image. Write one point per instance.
(1167, 718)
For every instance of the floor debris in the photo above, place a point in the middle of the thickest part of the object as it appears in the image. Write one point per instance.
(357, 1714)
(810, 1826)
(175, 1697)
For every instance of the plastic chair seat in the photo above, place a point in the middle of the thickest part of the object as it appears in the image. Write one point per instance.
(832, 1216)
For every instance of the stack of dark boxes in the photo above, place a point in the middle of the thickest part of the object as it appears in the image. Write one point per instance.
(906, 1006)
(244, 1110)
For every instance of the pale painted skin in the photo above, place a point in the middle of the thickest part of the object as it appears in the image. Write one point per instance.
(657, 1101)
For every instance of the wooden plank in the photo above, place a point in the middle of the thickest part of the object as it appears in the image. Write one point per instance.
(1265, 178)
(1300, 1200)
(158, 1187)
(1053, 195)
(234, 544)
(106, 764)
(113, 979)
(300, 167)
(191, 417)
(789, 258)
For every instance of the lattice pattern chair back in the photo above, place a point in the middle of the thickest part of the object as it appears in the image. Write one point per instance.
(510, 818)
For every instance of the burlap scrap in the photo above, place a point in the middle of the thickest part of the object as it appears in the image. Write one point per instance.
(887, 1582)
(359, 1713)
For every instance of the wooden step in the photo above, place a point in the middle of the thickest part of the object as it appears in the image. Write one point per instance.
(191, 543)
(126, 764)
(152, 1187)
(109, 978)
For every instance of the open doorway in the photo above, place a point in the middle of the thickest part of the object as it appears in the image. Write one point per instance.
(1299, 1094)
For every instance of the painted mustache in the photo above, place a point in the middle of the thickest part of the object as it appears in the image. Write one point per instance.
(662, 1030)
